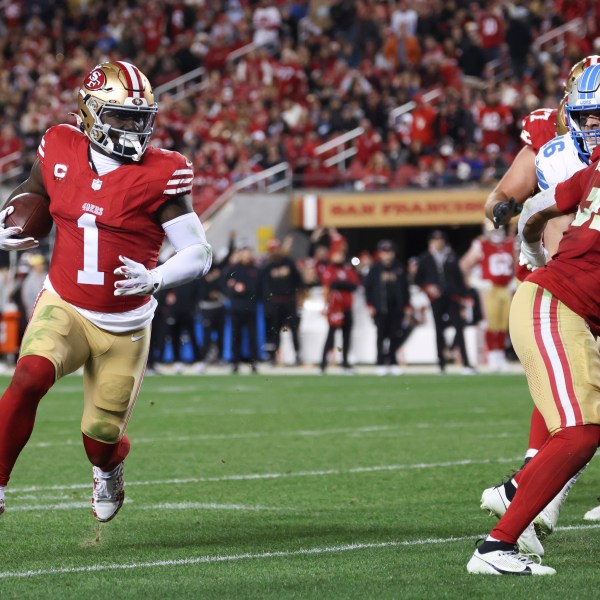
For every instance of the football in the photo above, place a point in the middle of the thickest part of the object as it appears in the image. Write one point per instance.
(32, 214)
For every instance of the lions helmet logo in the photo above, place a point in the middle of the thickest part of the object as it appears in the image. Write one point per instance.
(96, 80)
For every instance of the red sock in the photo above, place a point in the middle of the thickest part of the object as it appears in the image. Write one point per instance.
(33, 377)
(544, 476)
(500, 340)
(490, 340)
(538, 432)
(106, 456)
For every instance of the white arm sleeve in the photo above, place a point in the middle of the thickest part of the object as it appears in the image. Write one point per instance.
(534, 205)
(193, 253)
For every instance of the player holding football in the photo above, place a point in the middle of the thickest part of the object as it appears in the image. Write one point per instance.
(554, 322)
(112, 199)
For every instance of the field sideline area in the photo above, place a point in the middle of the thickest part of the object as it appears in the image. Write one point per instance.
(286, 487)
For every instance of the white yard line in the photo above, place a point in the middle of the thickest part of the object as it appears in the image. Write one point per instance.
(257, 476)
(162, 506)
(199, 560)
(403, 430)
(238, 436)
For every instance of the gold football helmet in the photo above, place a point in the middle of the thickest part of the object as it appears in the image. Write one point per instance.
(117, 109)
(562, 125)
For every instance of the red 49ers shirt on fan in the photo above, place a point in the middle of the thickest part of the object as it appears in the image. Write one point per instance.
(99, 218)
(497, 262)
(573, 274)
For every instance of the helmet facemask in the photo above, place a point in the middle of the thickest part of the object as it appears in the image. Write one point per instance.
(584, 100)
(117, 110)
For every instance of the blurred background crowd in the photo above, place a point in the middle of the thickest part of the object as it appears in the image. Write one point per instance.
(436, 90)
(439, 86)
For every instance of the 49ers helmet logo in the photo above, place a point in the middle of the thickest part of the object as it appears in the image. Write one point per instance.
(96, 80)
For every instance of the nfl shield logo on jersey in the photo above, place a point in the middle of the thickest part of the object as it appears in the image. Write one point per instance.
(96, 184)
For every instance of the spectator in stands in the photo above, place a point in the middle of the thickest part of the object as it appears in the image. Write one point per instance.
(494, 120)
(266, 21)
(378, 175)
(472, 59)
(281, 286)
(388, 302)
(10, 147)
(441, 278)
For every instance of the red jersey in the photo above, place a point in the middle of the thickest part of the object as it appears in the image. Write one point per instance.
(497, 263)
(494, 122)
(332, 273)
(99, 218)
(539, 127)
(573, 274)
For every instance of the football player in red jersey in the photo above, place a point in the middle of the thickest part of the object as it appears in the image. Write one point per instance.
(554, 322)
(503, 203)
(493, 251)
(113, 199)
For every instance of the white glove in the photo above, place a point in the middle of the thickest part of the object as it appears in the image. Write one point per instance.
(533, 255)
(138, 281)
(7, 242)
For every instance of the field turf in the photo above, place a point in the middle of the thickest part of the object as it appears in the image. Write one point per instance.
(286, 487)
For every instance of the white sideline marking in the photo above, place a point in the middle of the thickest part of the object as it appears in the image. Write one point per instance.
(132, 506)
(256, 476)
(247, 556)
(226, 558)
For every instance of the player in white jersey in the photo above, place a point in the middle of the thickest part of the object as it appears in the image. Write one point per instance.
(557, 160)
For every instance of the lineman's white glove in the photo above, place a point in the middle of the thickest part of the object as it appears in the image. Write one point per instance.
(7, 242)
(533, 255)
(138, 281)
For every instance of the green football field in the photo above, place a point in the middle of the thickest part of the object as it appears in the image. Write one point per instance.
(286, 487)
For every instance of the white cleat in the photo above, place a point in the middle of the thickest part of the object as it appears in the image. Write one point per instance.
(108, 494)
(495, 501)
(505, 562)
(593, 514)
(546, 521)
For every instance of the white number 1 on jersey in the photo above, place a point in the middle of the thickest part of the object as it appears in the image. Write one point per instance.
(90, 274)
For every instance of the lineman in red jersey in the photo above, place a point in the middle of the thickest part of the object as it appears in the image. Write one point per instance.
(554, 320)
(502, 209)
(494, 253)
(112, 199)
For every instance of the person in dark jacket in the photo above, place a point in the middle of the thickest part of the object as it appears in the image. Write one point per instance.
(281, 284)
(441, 278)
(240, 281)
(212, 306)
(180, 311)
(388, 302)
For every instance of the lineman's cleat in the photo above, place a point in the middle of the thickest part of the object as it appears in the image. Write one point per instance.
(592, 514)
(109, 493)
(505, 562)
(495, 501)
(546, 521)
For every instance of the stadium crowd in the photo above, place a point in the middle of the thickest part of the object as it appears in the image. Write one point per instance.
(281, 78)
(319, 68)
